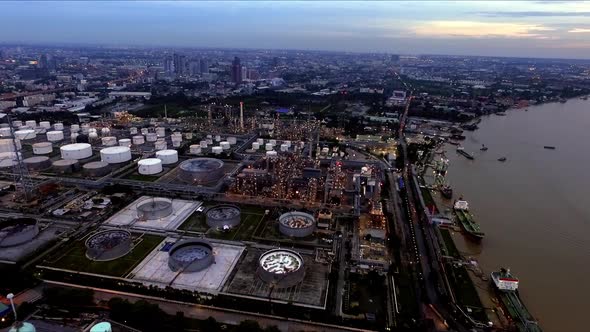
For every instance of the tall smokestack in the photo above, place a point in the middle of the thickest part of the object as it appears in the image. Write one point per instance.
(242, 115)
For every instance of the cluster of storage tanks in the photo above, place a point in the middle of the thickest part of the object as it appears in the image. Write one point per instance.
(208, 143)
(271, 147)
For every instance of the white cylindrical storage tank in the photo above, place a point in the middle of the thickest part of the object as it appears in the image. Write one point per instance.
(25, 134)
(45, 124)
(161, 145)
(5, 132)
(271, 154)
(115, 154)
(125, 142)
(284, 147)
(176, 137)
(144, 131)
(255, 145)
(167, 156)
(93, 135)
(224, 145)
(209, 141)
(195, 149)
(176, 144)
(58, 126)
(288, 143)
(161, 131)
(42, 148)
(133, 131)
(273, 142)
(9, 159)
(7, 145)
(109, 141)
(216, 149)
(75, 128)
(188, 135)
(73, 137)
(217, 138)
(76, 151)
(85, 129)
(105, 131)
(260, 141)
(31, 124)
(17, 123)
(269, 146)
(138, 140)
(151, 137)
(209, 136)
(55, 135)
(203, 144)
(232, 140)
(149, 166)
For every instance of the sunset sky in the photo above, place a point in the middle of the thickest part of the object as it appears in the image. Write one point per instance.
(529, 28)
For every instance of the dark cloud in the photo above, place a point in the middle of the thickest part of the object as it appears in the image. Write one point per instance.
(533, 14)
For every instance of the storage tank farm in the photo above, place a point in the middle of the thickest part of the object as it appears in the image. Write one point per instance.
(14, 232)
(223, 216)
(154, 208)
(200, 170)
(297, 224)
(190, 256)
(281, 268)
(108, 245)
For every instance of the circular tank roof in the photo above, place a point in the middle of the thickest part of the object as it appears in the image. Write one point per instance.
(65, 162)
(166, 152)
(115, 150)
(223, 212)
(201, 165)
(95, 165)
(191, 251)
(41, 144)
(107, 239)
(296, 219)
(149, 161)
(281, 261)
(34, 160)
(76, 146)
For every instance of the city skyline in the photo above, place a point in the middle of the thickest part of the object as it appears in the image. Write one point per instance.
(523, 29)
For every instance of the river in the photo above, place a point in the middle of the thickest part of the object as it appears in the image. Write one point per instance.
(535, 207)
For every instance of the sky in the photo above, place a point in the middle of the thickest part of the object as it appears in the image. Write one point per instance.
(496, 28)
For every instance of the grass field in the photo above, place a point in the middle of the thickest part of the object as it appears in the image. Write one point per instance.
(251, 218)
(73, 257)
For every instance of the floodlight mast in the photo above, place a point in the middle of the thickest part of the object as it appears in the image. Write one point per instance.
(20, 172)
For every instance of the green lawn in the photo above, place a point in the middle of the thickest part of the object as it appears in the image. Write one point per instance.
(73, 257)
(243, 232)
(251, 217)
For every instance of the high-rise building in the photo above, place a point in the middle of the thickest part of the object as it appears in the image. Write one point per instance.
(275, 62)
(236, 71)
(245, 73)
(179, 64)
(169, 66)
(194, 68)
(204, 64)
(43, 61)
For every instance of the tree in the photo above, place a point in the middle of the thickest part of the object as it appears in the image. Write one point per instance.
(249, 326)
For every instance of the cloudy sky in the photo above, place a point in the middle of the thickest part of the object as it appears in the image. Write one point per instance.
(510, 28)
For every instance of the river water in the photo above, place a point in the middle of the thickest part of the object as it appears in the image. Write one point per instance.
(535, 207)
